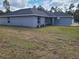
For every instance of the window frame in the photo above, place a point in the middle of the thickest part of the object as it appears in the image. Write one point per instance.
(38, 20)
(8, 20)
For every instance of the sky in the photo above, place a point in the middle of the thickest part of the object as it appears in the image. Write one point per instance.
(47, 4)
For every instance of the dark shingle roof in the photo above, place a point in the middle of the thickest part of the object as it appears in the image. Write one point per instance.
(29, 11)
(22, 11)
(36, 12)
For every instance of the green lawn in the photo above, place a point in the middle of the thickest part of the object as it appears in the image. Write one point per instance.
(39, 43)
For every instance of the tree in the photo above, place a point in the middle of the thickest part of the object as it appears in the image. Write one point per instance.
(71, 6)
(76, 14)
(54, 9)
(70, 10)
(1, 12)
(59, 10)
(6, 5)
(34, 6)
(40, 8)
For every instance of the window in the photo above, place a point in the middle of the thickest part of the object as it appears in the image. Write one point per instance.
(38, 20)
(8, 20)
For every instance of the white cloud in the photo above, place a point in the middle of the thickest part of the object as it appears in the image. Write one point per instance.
(60, 3)
(17, 3)
(47, 4)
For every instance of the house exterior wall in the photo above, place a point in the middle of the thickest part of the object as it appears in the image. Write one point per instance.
(42, 21)
(20, 21)
(64, 21)
(3, 21)
(32, 21)
(24, 21)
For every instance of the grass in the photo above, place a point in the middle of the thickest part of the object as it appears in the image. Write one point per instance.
(39, 43)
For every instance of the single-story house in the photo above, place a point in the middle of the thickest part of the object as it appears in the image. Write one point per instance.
(33, 17)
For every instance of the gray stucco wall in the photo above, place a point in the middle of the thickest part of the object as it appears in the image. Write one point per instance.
(24, 21)
(64, 21)
(20, 21)
(32, 21)
(3, 21)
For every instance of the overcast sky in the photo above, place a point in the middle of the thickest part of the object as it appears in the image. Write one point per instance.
(16, 4)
